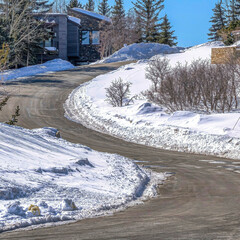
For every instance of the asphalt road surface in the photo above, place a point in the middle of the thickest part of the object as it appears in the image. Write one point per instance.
(200, 201)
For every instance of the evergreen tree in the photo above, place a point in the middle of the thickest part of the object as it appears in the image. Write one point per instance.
(218, 21)
(233, 10)
(3, 31)
(166, 35)
(41, 6)
(90, 6)
(148, 11)
(104, 9)
(75, 4)
(119, 25)
(118, 14)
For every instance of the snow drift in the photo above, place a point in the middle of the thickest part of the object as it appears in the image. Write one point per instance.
(50, 66)
(139, 51)
(144, 123)
(66, 181)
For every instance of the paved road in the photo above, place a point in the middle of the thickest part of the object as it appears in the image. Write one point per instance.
(201, 201)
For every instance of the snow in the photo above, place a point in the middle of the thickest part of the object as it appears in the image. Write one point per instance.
(50, 66)
(51, 49)
(145, 123)
(75, 20)
(139, 51)
(65, 181)
(92, 14)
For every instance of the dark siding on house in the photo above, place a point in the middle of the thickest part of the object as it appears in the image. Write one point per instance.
(63, 32)
(73, 40)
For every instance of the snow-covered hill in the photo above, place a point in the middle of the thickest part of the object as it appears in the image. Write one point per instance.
(39, 169)
(144, 123)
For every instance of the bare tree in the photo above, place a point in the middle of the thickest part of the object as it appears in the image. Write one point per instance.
(118, 93)
(59, 6)
(106, 39)
(24, 31)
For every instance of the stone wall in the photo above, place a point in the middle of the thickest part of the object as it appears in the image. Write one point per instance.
(222, 55)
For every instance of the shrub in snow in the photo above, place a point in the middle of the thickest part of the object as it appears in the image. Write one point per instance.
(198, 86)
(118, 92)
(157, 71)
(15, 209)
(35, 210)
(68, 205)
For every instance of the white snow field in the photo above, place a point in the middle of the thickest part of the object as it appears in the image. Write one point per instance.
(145, 123)
(139, 51)
(50, 66)
(66, 181)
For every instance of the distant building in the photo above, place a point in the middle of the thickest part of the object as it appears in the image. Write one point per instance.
(75, 36)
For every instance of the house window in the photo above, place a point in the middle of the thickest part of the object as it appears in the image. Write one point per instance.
(48, 43)
(95, 37)
(85, 37)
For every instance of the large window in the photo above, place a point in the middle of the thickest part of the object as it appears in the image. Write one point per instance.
(49, 43)
(85, 37)
(95, 37)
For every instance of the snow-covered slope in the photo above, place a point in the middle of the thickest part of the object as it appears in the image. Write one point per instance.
(39, 169)
(202, 51)
(139, 51)
(144, 123)
(50, 66)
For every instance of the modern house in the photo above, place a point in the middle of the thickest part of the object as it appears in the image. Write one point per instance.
(76, 35)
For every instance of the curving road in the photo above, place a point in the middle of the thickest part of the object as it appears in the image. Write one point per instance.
(201, 200)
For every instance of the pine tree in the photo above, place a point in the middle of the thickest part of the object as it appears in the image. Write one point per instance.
(118, 14)
(233, 9)
(104, 8)
(119, 25)
(166, 35)
(218, 21)
(75, 4)
(148, 11)
(139, 29)
(42, 6)
(90, 6)
(3, 31)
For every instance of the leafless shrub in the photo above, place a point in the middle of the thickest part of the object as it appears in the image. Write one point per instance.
(157, 70)
(118, 92)
(199, 86)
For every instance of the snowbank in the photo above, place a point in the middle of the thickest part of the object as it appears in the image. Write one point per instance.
(202, 51)
(50, 66)
(66, 181)
(144, 123)
(140, 51)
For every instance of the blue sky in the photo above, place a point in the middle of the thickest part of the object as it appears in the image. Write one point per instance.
(189, 18)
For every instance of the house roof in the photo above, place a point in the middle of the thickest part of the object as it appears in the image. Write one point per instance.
(75, 20)
(92, 14)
